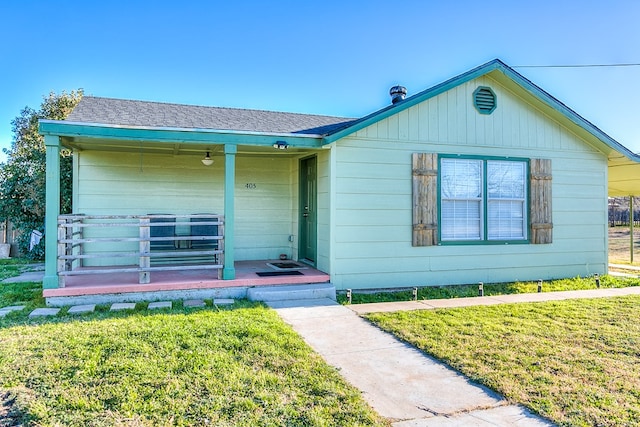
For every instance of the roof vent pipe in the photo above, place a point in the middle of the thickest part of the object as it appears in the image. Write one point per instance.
(397, 93)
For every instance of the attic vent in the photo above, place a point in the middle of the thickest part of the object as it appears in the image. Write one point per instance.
(484, 99)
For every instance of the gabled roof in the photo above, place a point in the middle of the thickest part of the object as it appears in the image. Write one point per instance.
(122, 112)
(624, 165)
(491, 66)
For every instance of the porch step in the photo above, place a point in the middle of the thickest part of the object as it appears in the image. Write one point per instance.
(292, 292)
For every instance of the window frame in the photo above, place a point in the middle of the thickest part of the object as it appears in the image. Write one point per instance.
(484, 218)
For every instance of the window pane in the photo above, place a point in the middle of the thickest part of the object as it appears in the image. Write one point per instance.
(460, 220)
(505, 220)
(505, 179)
(461, 178)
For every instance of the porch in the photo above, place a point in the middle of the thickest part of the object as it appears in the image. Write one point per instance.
(95, 245)
(190, 280)
(146, 257)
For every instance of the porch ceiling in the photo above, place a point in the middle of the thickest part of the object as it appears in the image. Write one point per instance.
(624, 176)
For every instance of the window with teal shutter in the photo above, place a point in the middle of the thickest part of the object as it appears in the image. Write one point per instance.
(483, 200)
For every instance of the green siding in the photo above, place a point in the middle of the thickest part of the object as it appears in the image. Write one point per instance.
(324, 203)
(372, 208)
(128, 183)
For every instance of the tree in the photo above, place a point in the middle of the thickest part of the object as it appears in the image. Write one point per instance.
(23, 176)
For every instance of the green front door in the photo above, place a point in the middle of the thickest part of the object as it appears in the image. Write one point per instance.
(308, 211)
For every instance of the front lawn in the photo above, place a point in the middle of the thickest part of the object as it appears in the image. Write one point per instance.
(576, 362)
(183, 367)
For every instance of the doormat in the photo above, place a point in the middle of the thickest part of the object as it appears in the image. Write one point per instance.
(279, 273)
(289, 265)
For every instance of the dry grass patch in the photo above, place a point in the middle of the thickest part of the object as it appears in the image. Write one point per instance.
(576, 362)
(619, 245)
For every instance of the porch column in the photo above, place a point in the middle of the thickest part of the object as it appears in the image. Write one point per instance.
(229, 271)
(52, 210)
(631, 227)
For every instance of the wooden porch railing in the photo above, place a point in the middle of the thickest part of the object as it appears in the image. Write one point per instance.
(103, 244)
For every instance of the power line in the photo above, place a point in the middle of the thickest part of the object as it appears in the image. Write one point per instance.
(577, 66)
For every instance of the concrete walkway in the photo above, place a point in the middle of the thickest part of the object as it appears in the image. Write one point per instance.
(400, 382)
(33, 273)
(491, 300)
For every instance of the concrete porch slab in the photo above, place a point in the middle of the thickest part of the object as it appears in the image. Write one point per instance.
(292, 292)
(233, 292)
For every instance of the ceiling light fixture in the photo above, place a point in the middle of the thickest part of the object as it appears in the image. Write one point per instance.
(207, 161)
(280, 145)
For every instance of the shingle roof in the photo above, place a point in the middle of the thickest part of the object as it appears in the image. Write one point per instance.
(122, 112)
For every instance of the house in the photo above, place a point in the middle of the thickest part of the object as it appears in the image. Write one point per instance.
(484, 177)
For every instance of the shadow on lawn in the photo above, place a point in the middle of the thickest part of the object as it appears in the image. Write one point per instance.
(10, 413)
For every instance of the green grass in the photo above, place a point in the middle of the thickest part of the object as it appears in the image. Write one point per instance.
(462, 291)
(12, 267)
(576, 362)
(241, 366)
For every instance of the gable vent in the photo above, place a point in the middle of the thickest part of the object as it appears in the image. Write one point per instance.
(484, 99)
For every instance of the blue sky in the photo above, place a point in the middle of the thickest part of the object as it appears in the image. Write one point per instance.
(326, 57)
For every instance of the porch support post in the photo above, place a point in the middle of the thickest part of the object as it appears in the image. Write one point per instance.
(631, 227)
(52, 211)
(229, 271)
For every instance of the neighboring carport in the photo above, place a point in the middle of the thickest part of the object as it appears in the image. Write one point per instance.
(624, 181)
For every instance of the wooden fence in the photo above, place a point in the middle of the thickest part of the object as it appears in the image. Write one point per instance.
(103, 244)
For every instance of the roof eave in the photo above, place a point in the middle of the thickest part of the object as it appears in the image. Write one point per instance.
(173, 135)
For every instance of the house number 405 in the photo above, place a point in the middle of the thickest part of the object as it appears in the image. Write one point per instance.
(251, 185)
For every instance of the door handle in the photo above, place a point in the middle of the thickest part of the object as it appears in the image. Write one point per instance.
(305, 214)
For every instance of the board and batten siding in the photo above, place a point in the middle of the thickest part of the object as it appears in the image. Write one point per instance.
(372, 209)
(130, 184)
